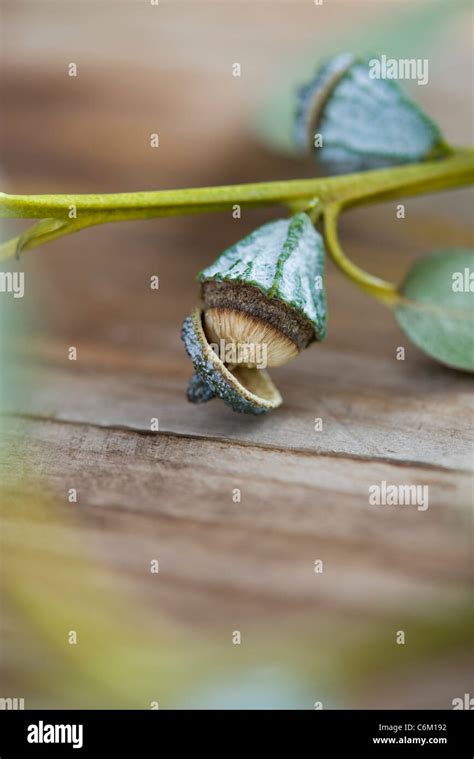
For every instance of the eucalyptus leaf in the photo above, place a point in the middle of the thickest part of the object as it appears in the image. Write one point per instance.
(437, 312)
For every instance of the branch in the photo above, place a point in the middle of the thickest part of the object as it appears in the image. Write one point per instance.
(342, 191)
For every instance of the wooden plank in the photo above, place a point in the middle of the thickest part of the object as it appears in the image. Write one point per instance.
(143, 496)
(371, 408)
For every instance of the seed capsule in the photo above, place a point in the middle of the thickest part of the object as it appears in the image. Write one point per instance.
(353, 122)
(264, 302)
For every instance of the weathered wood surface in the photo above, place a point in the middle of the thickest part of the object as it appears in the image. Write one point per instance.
(294, 506)
(371, 408)
(86, 423)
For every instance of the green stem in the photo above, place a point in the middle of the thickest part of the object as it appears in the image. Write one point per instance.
(378, 288)
(345, 191)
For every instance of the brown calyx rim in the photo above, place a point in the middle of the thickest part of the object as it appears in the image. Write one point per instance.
(249, 299)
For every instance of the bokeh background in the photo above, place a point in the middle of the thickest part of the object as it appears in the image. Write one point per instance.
(167, 638)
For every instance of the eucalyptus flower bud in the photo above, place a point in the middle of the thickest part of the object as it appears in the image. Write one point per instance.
(353, 122)
(264, 302)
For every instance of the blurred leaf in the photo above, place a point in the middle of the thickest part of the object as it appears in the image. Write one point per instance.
(438, 315)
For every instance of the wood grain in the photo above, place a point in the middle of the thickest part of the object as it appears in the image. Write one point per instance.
(371, 407)
(149, 493)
